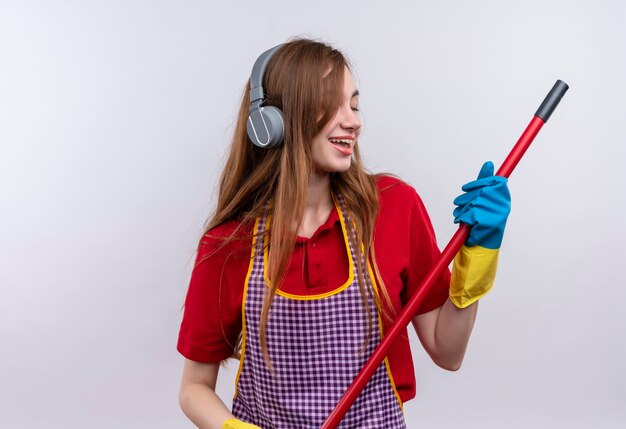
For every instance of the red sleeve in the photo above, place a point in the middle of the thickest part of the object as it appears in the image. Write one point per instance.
(212, 317)
(423, 252)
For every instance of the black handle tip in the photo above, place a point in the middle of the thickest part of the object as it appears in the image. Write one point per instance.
(552, 100)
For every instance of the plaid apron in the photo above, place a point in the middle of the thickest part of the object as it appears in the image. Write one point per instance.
(314, 345)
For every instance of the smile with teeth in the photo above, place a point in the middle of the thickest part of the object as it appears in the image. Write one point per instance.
(343, 142)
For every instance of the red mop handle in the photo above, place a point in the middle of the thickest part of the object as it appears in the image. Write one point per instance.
(527, 137)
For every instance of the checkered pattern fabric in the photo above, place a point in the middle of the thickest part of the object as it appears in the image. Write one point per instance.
(314, 346)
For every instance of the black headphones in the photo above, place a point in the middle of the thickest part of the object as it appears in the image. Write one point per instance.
(265, 123)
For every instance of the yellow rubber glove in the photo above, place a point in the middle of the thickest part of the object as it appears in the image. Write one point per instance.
(473, 274)
(238, 424)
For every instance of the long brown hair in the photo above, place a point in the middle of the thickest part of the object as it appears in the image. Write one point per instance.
(297, 80)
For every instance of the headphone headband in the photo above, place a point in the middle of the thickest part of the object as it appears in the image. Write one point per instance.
(256, 77)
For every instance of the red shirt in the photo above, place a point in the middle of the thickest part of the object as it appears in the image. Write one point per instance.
(405, 247)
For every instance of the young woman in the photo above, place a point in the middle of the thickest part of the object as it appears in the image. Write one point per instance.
(308, 259)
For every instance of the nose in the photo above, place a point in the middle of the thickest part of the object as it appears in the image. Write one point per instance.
(350, 119)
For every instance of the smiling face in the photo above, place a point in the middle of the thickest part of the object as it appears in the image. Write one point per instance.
(332, 148)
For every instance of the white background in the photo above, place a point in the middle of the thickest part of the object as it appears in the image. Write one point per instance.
(114, 121)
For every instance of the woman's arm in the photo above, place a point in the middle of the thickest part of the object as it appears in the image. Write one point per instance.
(485, 206)
(444, 333)
(197, 396)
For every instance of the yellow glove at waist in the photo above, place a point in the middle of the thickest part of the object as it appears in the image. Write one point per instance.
(473, 274)
(238, 424)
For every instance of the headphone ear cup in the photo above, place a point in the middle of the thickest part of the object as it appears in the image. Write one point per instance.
(266, 126)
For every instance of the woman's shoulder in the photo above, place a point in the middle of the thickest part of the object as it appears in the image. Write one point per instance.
(226, 238)
(235, 228)
(395, 191)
